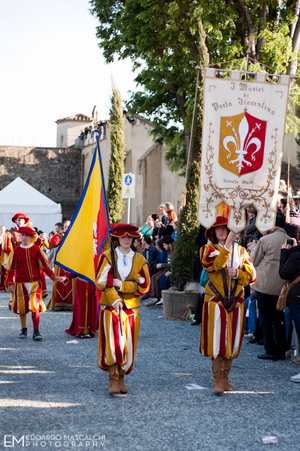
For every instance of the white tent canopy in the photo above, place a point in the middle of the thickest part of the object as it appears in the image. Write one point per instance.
(19, 196)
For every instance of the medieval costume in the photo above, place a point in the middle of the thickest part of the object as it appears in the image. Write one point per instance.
(229, 269)
(123, 277)
(25, 278)
(10, 239)
(61, 291)
(85, 310)
(43, 244)
(6, 253)
(22, 220)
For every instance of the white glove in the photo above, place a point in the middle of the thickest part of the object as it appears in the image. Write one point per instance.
(117, 283)
(118, 304)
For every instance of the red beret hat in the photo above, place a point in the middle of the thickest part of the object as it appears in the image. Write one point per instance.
(121, 230)
(20, 216)
(27, 231)
(220, 221)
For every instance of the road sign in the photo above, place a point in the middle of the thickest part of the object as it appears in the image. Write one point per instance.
(128, 191)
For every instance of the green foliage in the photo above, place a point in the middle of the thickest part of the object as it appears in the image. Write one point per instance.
(162, 39)
(116, 165)
(276, 52)
(293, 116)
(185, 249)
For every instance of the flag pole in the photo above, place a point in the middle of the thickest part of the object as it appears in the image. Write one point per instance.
(112, 249)
(231, 265)
(288, 209)
(128, 211)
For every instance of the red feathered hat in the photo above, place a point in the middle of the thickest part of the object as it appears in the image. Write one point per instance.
(121, 230)
(27, 231)
(20, 216)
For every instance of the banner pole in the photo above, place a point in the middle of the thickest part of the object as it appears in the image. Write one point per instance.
(288, 208)
(112, 249)
(193, 123)
(128, 210)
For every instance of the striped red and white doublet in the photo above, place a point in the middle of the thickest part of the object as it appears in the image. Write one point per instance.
(28, 264)
(115, 348)
(222, 331)
(28, 297)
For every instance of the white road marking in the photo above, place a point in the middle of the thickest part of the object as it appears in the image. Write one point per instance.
(248, 392)
(25, 371)
(9, 317)
(270, 440)
(35, 404)
(195, 387)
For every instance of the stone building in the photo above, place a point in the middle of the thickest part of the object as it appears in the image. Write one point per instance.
(59, 172)
(69, 128)
(155, 183)
(55, 172)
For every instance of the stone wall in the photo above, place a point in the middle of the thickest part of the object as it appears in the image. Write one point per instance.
(155, 183)
(55, 172)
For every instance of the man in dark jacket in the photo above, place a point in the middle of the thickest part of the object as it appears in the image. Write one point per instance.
(268, 287)
(290, 270)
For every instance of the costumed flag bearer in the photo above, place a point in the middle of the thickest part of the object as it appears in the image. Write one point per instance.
(123, 277)
(229, 269)
(25, 280)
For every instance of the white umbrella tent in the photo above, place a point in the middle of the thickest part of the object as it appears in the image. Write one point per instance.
(19, 196)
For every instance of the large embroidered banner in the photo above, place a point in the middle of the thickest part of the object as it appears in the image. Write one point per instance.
(243, 131)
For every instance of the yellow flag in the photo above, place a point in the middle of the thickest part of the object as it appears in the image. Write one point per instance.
(87, 235)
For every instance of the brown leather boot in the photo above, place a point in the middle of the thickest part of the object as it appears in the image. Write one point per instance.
(227, 363)
(217, 370)
(114, 381)
(123, 387)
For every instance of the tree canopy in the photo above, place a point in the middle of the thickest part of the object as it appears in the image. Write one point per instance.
(168, 39)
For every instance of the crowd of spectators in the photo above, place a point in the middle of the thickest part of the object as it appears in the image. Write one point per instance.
(158, 234)
(276, 258)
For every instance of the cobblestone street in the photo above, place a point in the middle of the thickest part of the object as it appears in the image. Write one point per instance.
(55, 387)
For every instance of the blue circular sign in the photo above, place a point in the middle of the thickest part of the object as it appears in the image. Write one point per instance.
(128, 180)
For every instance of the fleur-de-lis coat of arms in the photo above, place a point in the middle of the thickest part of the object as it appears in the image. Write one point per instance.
(242, 143)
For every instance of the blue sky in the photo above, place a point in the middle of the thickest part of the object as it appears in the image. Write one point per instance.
(51, 67)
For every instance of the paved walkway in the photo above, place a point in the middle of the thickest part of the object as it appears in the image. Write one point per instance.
(52, 395)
